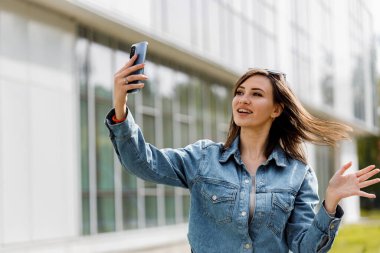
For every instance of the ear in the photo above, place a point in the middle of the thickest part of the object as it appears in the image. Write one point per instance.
(278, 108)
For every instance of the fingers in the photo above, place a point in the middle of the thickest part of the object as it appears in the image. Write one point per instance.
(369, 182)
(123, 76)
(133, 86)
(128, 64)
(132, 78)
(125, 87)
(366, 195)
(344, 168)
(365, 170)
(369, 174)
(130, 70)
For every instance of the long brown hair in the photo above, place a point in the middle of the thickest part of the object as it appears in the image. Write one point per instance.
(295, 125)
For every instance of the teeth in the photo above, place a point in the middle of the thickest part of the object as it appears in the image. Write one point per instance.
(244, 111)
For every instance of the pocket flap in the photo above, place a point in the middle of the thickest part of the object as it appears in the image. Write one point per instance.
(283, 200)
(219, 191)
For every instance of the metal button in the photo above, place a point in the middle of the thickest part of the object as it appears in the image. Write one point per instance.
(214, 197)
(244, 213)
(332, 226)
(246, 181)
(247, 246)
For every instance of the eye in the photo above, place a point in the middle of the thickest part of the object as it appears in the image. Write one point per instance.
(239, 93)
(257, 94)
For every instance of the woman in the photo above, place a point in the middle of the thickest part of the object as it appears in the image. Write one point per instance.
(255, 193)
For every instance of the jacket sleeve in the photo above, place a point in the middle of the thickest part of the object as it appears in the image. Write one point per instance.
(174, 167)
(306, 231)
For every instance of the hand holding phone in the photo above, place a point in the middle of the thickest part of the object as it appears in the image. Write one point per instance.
(140, 49)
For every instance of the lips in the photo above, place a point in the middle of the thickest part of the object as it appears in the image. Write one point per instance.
(246, 111)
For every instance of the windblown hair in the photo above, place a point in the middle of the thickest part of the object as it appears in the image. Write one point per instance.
(295, 125)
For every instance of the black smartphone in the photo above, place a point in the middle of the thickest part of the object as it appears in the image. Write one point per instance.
(140, 49)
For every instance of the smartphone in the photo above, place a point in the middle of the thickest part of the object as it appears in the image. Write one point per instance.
(140, 49)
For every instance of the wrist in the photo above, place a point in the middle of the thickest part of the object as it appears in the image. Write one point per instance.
(331, 201)
(120, 111)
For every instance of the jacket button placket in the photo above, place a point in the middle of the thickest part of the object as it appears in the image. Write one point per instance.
(243, 216)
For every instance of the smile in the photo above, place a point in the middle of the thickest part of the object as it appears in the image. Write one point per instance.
(244, 111)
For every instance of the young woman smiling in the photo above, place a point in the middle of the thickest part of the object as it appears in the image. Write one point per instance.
(255, 192)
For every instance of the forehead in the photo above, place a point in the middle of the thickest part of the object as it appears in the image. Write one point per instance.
(257, 81)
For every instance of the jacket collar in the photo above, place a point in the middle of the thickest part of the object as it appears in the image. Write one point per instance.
(278, 154)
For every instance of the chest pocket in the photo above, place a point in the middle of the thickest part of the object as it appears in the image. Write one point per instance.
(218, 199)
(282, 206)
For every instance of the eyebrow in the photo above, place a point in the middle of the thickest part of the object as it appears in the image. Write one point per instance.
(251, 89)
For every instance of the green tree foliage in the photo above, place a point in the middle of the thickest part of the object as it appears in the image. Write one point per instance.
(369, 153)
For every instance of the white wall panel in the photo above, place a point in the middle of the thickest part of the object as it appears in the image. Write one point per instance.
(48, 159)
(15, 162)
(39, 163)
(351, 206)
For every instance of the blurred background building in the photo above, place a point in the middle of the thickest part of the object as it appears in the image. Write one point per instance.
(61, 186)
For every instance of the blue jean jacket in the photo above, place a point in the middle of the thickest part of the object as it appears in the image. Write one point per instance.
(286, 194)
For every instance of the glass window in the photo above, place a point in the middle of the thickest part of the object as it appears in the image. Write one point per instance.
(169, 205)
(358, 87)
(184, 134)
(212, 112)
(151, 211)
(222, 105)
(325, 164)
(182, 89)
(171, 102)
(101, 78)
(206, 113)
(149, 126)
(150, 87)
(82, 64)
(198, 105)
(167, 122)
(130, 214)
(166, 84)
(186, 207)
(85, 168)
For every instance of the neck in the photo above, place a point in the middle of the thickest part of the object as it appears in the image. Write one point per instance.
(253, 143)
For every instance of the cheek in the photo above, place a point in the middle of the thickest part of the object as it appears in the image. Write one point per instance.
(234, 102)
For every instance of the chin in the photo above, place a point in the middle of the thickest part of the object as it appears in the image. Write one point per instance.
(241, 124)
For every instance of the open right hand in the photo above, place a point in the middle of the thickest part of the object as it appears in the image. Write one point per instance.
(121, 86)
(343, 185)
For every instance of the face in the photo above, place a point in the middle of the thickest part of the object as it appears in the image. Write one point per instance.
(253, 105)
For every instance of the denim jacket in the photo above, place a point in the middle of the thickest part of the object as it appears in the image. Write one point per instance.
(286, 194)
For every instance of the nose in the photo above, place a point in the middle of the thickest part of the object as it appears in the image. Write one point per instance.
(244, 100)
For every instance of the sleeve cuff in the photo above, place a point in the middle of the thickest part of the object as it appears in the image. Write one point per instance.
(121, 129)
(327, 223)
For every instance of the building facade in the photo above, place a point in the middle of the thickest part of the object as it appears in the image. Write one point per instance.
(62, 188)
